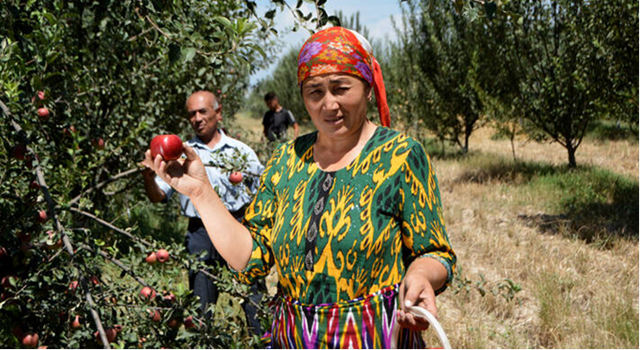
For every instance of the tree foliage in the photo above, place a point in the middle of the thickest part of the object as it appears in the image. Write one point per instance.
(110, 76)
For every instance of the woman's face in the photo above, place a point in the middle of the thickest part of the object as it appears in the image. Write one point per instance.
(337, 103)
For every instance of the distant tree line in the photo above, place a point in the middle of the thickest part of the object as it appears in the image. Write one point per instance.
(546, 69)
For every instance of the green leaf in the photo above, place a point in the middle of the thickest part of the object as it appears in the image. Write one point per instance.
(270, 14)
(225, 22)
(188, 54)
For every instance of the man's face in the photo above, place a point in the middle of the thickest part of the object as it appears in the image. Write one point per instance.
(201, 115)
(272, 104)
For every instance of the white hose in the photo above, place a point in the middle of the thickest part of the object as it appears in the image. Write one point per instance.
(423, 313)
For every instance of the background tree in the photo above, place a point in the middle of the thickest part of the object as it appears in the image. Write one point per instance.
(441, 57)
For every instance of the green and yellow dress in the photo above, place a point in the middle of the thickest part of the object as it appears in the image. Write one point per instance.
(341, 241)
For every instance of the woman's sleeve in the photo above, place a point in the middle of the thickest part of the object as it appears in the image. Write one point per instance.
(258, 219)
(423, 229)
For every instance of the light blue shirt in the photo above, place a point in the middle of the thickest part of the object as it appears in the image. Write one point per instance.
(234, 196)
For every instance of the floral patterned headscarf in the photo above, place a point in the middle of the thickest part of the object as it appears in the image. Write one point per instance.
(340, 50)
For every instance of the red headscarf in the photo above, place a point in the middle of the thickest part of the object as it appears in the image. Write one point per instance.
(340, 50)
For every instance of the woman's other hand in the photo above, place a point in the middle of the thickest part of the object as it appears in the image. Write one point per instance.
(187, 176)
(423, 277)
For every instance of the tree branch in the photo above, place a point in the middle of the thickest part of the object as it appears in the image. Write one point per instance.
(104, 183)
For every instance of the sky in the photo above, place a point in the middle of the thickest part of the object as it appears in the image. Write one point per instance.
(374, 14)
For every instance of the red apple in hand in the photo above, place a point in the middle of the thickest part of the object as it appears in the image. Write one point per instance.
(168, 146)
(43, 113)
(235, 177)
(151, 258)
(163, 255)
(30, 340)
(147, 293)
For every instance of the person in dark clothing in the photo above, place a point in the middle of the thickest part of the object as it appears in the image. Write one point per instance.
(277, 119)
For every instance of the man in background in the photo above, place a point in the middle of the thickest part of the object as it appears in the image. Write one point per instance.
(211, 144)
(277, 119)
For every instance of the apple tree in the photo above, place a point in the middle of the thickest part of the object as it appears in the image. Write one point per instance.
(85, 85)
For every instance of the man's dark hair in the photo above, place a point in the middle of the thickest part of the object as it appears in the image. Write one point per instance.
(270, 96)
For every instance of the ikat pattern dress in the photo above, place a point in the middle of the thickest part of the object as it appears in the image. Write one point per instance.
(341, 241)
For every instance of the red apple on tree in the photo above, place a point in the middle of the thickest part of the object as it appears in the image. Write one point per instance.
(151, 258)
(168, 146)
(168, 297)
(30, 340)
(162, 255)
(154, 315)
(51, 242)
(75, 324)
(94, 280)
(3, 253)
(19, 151)
(174, 323)
(147, 293)
(98, 143)
(6, 281)
(43, 113)
(42, 216)
(109, 332)
(34, 185)
(188, 322)
(235, 177)
(73, 286)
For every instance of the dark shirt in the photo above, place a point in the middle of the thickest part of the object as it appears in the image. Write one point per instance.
(276, 123)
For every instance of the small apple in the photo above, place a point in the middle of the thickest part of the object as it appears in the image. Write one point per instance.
(19, 151)
(41, 95)
(30, 340)
(3, 253)
(73, 286)
(75, 324)
(154, 315)
(109, 332)
(162, 255)
(168, 146)
(147, 293)
(6, 282)
(42, 216)
(118, 328)
(188, 322)
(151, 258)
(34, 185)
(168, 297)
(43, 113)
(94, 280)
(51, 242)
(235, 177)
(174, 323)
(98, 143)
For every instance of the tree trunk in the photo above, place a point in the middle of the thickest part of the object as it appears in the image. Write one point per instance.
(467, 134)
(572, 156)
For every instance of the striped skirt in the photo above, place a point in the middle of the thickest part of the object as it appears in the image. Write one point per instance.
(368, 322)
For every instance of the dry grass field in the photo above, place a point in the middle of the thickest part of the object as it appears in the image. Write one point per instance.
(547, 258)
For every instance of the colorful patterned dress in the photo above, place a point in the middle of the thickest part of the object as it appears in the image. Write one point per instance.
(341, 240)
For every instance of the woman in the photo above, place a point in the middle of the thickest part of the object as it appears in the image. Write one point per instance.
(350, 215)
